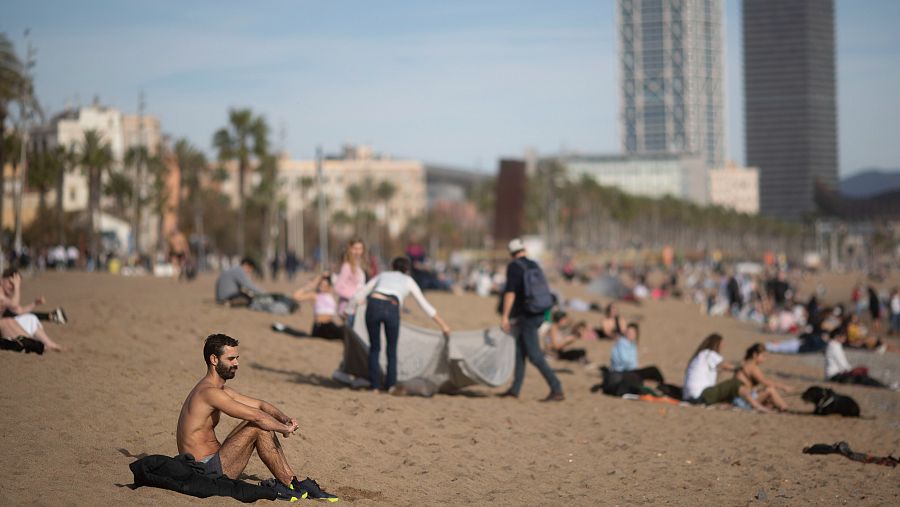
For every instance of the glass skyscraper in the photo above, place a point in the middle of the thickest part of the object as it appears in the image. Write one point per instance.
(672, 84)
(790, 106)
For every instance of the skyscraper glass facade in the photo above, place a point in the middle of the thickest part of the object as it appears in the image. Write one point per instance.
(670, 57)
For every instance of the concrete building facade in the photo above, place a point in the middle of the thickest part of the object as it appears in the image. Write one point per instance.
(120, 131)
(354, 166)
(681, 176)
(790, 105)
(735, 188)
(671, 75)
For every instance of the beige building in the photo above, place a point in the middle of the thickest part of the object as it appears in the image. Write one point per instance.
(68, 128)
(655, 175)
(29, 201)
(120, 131)
(356, 165)
(133, 135)
(735, 188)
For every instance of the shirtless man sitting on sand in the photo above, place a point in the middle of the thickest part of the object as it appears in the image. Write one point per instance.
(200, 416)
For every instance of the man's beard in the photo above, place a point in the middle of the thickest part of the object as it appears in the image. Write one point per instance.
(226, 372)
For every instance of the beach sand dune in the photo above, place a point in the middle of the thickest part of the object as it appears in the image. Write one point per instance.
(72, 422)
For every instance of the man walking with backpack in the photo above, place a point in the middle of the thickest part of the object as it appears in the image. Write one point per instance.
(525, 299)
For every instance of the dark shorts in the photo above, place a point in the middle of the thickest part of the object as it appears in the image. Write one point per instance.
(213, 465)
(723, 392)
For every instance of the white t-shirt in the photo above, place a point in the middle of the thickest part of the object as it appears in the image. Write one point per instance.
(835, 360)
(701, 373)
(393, 283)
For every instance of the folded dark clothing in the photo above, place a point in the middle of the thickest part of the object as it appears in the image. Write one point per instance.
(185, 475)
(844, 449)
(22, 343)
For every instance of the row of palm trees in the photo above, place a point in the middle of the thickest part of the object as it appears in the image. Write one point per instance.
(585, 215)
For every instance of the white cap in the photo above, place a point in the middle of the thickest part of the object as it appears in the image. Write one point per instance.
(516, 245)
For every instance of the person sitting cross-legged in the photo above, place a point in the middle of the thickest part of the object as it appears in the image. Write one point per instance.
(204, 406)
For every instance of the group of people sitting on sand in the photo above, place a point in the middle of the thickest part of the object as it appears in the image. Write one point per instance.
(826, 330)
(334, 300)
(21, 327)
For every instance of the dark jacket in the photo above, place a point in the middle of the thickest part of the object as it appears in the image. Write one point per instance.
(184, 475)
(515, 282)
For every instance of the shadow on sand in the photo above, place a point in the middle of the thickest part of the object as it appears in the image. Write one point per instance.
(312, 379)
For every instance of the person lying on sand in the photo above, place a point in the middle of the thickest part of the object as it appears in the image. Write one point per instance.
(18, 320)
(204, 406)
(10, 300)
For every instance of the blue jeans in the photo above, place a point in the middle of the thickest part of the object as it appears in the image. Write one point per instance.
(380, 312)
(525, 331)
(895, 322)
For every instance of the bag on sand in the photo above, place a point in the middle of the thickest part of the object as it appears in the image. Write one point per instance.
(538, 298)
(278, 304)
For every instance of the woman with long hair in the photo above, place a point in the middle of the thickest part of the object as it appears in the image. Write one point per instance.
(352, 275)
(611, 326)
(703, 368)
(760, 388)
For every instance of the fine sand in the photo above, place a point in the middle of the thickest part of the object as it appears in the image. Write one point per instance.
(72, 422)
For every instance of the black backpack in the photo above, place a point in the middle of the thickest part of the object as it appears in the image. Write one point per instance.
(538, 298)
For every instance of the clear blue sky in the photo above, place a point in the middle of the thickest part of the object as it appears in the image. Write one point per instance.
(459, 82)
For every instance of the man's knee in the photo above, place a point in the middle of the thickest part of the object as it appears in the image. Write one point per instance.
(250, 428)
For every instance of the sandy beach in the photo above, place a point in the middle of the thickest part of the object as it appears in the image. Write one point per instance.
(72, 422)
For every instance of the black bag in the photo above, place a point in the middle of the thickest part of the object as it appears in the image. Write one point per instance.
(538, 298)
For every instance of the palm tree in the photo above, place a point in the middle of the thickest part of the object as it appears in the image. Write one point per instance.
(384, 192)
(16, 78)
(268, 189)
(192, 163)
(305, 183)
(135, 157)
(159, 195)
(120, 188)
(355, 194)
(12, 74)
(95, 158)
(9, 143)
(245, 135)
(68, 158)
(43, 173)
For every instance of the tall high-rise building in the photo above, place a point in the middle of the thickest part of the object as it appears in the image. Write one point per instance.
(672, 78)
(790, 107)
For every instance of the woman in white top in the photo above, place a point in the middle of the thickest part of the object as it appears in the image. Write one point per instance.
(385, 294)
(838, 368)
(702, 370)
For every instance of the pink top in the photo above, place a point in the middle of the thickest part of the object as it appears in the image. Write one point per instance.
(324, 304)
(348, 282)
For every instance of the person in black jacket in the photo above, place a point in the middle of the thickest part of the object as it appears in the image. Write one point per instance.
(523, 325)
(203, 407)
